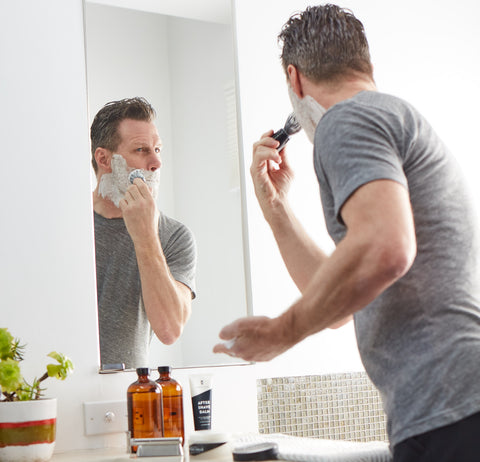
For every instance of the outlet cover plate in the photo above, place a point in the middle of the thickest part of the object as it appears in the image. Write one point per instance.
(105, 417)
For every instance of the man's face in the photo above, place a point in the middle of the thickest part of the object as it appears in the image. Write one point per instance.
(140, 144)
(139, 148)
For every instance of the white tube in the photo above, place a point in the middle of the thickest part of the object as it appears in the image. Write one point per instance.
(201, 391)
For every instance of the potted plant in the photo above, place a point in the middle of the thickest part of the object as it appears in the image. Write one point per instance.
(27, 420)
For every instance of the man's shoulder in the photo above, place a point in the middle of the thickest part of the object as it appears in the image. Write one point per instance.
(366, 101)
(167, 222)
(168, 226)
(366, 110)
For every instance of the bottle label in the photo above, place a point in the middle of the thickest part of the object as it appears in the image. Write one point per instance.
(202, 412)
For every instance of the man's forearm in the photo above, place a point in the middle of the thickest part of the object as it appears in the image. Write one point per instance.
(354, 275)
(300, 253)
(167, 302)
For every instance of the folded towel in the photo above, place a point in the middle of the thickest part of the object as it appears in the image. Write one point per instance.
(298, 449)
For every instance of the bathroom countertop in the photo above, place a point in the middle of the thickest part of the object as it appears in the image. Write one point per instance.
(221, 454)
(289, 447)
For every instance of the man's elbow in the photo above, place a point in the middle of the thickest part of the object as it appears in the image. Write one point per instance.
(341, 323)
(171, 335)
(169, 339)
(172, 330)
(396, 260)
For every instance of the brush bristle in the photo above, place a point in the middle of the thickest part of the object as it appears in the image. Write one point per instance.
(136, 174)
(291, 125)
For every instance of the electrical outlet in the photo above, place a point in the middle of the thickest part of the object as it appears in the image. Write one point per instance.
(105, 417)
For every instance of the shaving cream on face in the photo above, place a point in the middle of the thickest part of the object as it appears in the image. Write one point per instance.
(201, 391)
(307, 111)
(113, 186)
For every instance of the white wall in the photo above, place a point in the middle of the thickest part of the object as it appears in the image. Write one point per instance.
(46, 250)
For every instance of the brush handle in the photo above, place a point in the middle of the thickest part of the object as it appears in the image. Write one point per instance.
(281, 136)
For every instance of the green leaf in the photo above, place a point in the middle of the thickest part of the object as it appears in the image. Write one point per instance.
(59, 371)
(10, 375)
(10, 347)
(6, 344)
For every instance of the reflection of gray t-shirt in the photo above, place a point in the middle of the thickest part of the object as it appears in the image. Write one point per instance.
(125, 332)
(420, 339)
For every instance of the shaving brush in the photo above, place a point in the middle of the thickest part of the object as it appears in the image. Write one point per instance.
(136, 174)
(283, 135)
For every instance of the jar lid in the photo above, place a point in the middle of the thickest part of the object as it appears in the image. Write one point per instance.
(256, 451)
(164, 369)
(143, 370)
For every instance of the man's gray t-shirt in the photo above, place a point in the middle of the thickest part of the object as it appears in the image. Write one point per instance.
(420, 339)
(125, 332)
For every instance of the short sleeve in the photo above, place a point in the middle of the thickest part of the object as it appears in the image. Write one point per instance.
(354, 145)
(181, 255)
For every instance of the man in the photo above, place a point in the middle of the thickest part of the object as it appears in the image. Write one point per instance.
(405, 263)
(145, 260)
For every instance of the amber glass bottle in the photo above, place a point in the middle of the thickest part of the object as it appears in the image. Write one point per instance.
(172, 404)
(145, 407)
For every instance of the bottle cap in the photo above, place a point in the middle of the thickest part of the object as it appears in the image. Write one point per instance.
(143, 370)
(164, 369)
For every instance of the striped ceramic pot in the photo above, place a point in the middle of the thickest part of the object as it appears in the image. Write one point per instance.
(27, 430)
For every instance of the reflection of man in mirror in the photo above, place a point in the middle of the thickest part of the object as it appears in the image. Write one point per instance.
(406, 262)
(145, 260)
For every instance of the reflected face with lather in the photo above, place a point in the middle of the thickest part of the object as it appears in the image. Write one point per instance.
(139, 148)
(124, 138)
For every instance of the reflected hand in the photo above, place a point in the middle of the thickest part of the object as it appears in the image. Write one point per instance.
(271, 172)
(140, 212)
(257, 338)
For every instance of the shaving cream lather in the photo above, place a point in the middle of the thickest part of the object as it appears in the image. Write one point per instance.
(114, 185)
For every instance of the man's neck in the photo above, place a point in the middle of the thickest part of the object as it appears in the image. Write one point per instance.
(329, 94)
(105, 207)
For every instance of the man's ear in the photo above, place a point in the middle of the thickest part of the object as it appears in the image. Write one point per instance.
(104, 160)
(295, 80)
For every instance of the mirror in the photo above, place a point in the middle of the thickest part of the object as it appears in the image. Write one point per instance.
(185, 68)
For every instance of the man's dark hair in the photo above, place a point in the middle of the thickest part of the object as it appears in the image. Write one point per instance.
(324, 43)
(104, 129)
